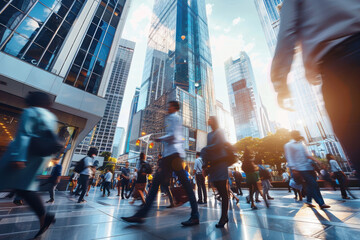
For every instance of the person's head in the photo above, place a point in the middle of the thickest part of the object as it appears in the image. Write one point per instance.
(187, 168)
(107, 170)
(56, 161)
(160, 156)
(213, 122)
(38, 99)
(330, 157)
(92, 152)
(142, 157)
(127, 164)
(296, 135)
(173, 106)
(197, 154)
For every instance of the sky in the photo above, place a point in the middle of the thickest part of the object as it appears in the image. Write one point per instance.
(234, 26)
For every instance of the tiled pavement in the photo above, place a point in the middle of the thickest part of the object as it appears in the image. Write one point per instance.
(100, 218)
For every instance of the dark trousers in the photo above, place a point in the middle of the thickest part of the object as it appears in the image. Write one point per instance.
(223, 192)
(312, 187)
(124, 185)
(342, 182)
(238, 187)
(341, 86)
(106, 187)
(166, 189)
(33, 200)
(52, 187)
(84, 183)
(166, 166)
(200, 182)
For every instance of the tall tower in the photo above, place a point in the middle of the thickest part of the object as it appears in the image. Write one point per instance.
(134, 105)
(63, 48)
(310, 116)
(104, 132)
(244, 99)
(178, 66)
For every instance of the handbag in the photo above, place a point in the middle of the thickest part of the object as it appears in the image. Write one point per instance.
(230, 158)
(179, 194)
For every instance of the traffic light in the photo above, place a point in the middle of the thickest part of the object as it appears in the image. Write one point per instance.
(138, 142)
(151, 145)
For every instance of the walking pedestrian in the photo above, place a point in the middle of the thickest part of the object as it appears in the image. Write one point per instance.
(286, 178)
(338, 174)
(125, 177)
(300, 163)
(54, 179)
(238, 179)
(200, 180)
(86, 170)
(21, 163)
(328, 32)
(213, 154)
(107, 182)
(74, 181)
(172, 161)
(265, 178)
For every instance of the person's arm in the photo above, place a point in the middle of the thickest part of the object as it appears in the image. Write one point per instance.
(170, 134)
(218, 142)
(335, 165)
(289, 160)
(285, 48)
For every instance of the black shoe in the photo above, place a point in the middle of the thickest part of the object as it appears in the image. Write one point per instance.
(221, 223)
(247, 199)
(108, 194)
(200, 202)
(205, 202)
(50, 201)
(133, 219)
(82, 201)
(257, 200)
(191, 222)
(49, 219)
(270, 198)
(345, 197)
(18, 202)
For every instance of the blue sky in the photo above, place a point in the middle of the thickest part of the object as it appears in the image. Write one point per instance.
(234, 26)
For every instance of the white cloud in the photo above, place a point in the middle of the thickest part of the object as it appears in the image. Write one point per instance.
(209, 9)
(143, 12)
(237, 20)
(227, 30)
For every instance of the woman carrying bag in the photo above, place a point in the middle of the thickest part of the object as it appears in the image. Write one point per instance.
(338, 174)
(214, 155)
(28, 154)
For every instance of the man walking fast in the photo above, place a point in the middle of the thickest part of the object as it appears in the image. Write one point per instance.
(172, 161)
(200, 180)
(88, 168)
(299, 161)
(125, 177)
(107, 182)
(328, 32)
(238, 179)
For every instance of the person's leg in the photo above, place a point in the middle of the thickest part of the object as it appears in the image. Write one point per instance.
(35, 203)
(342, 181)
(84, 180)
(312, 188)
(203, 188)
(198, 184)
(221, 186)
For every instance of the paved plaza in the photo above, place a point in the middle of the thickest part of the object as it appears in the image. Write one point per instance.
(100, 218)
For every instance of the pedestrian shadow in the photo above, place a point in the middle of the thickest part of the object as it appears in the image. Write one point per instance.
(331, 217)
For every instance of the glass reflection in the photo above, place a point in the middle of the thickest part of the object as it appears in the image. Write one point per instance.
(44, 37)
(23, 5)
(11, 17)
(16, 45)
(71, 78)
(40, 13)
(54, 22)
(33, 54)
(89, 61)
(50, 3)
(4, 33)
(28, 28)
(104, 52)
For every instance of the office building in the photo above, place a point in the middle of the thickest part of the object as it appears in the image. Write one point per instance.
(63, 48)
(133, 108)
(118, 142)
(226, 122)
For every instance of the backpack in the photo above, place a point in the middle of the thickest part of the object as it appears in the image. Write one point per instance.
(264, 173)
(80, 165)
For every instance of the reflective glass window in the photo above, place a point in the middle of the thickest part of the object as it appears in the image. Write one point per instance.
(96, 20)
(3, 3)
(10, 17)
(23, 5)
(70, 17)
(111, 30)
(28, 27)
(54, 22)
(108, 40)
(115, 20)
(4, 33)
(47, 60)
(61, 10)
(33, 54)
(107, 16)
(76, 7)
(86, 43)
(67, 3)
(94, 47)
(91, 29)
(44, 37)
(94, 84)
(99, 35)
(40, 13)
(50, 3)
(16, 45)
(100, 10)
(80, 57)
(89, 62)
(99, 67)
(64, 29)
(74, 71)
(103, 24)
(104, 52)
(82, 79)
(55, 44)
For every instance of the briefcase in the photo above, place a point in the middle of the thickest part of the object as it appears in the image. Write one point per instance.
(179, 195)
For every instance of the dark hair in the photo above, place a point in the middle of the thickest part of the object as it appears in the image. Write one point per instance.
(175, 104)
(92, 151)
(328, 156)
(295, 134)
(215, 120)
(197, 154)
(142, 156)
(38, 99)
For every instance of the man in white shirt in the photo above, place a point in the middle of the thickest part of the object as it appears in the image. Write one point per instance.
(328, 32)
(171, 162)
(338, 174)
(299, 162)
(86, 172)
(200, 180)
(107, 182)
(286, 178)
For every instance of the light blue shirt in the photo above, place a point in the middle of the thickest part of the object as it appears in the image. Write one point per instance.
(297, 156)
(198, 165)
(334, 166)
(173, 139)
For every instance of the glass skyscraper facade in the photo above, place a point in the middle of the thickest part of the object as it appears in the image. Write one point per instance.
(245, 102)
(178, 66)
(310, 116)
(105, 130)
(133, 108)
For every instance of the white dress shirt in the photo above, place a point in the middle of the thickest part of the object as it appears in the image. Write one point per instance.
(173, 139)
(334, 166)
(297, 155)
(198, 165)
(108, 177)
(317, 26)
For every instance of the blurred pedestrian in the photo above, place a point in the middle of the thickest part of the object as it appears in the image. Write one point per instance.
(172, 161)
(54, 179)
(300, 163)
(107, 182)
(328, 32)
(144, 169)
(338, 174)
(24, 158)
(265, 178)
(200, 179)
(74, 181)
(87, 169)
(238, 179)
(124, 182)
(286, 178)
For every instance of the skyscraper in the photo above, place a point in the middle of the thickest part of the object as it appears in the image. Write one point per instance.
(118, 141)
(134, 105)
(63, 48)
(105, 130)
(245, 102)
(178, 66)
(310, 116)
